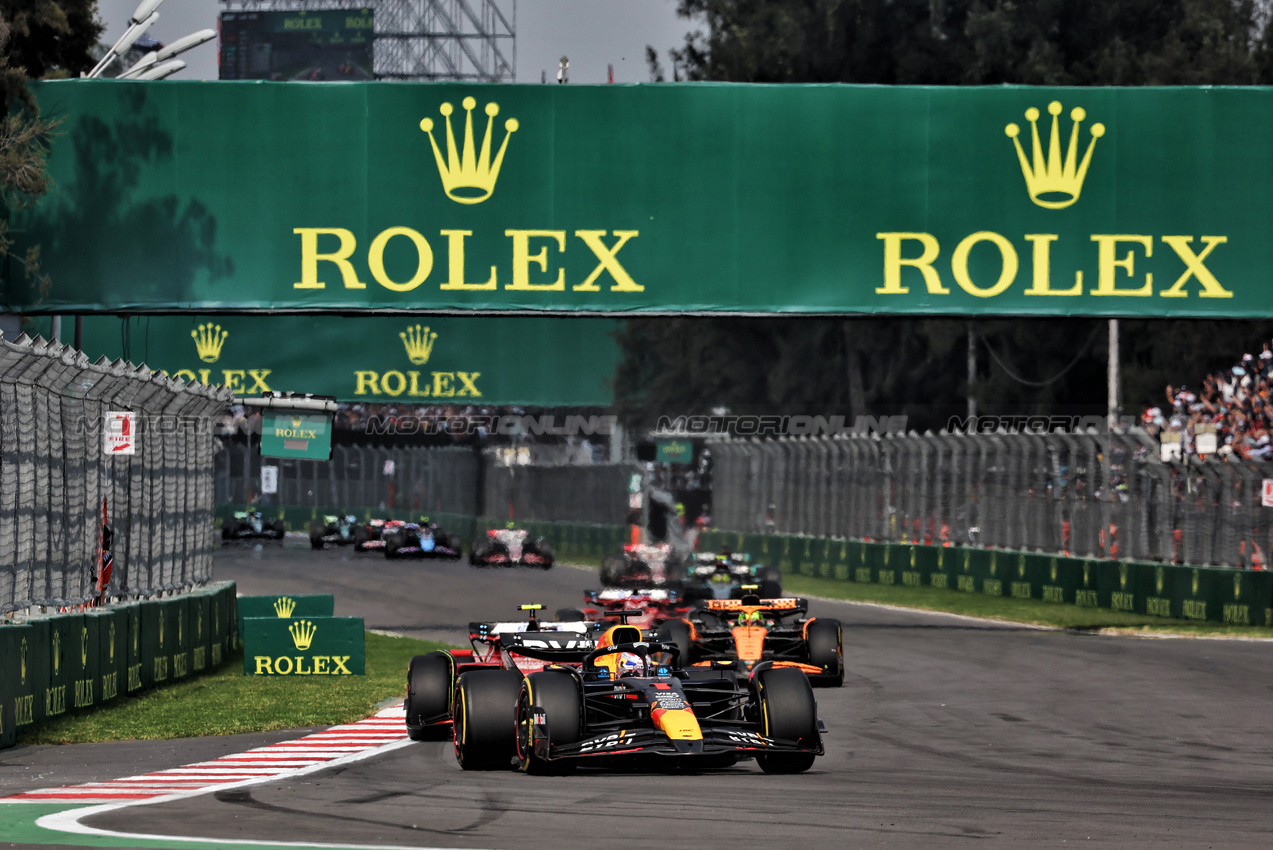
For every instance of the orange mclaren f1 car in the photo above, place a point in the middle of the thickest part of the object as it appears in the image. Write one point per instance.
(753, 631)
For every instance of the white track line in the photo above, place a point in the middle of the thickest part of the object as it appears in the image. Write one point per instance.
(316, 751)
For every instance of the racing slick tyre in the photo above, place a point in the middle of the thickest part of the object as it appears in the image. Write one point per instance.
(678, 632)
(611, 570)
(360, 538)
(430, 686)
(480, 551)
(316, 532)
(542, 547)
(558, 695)
(826, 650)
(769, 589)
(569, 615)
(277, 531)
(228, 527)
(484, 728)
(788, 713)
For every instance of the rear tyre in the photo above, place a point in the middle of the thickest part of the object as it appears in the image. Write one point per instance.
(558, 695)
(430, 688)
(611, 570)
(769, 589)
(678, 632)
(227, 529)
(480, 551)
(569, 615)
(485, 719)
(277, 529)
(360, 538)
(542, 547)
(789, 713)
(826, 650)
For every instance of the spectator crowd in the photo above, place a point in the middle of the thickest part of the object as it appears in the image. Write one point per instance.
(1228, 414)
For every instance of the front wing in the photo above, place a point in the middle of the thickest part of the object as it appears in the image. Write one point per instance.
(638, 742)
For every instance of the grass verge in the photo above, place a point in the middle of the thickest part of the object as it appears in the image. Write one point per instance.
(226, 702)
(1033, 612)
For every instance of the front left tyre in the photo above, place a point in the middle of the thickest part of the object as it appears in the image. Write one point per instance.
(788, 713)
(485, 719)
(558, 696)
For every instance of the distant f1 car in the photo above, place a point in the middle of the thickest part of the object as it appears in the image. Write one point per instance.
(755, 631)
(630, 703)
(338, 530)
(646, 608)
(643, 565)
(511, 547)
(502, 651)
(723, 575)
(421, 539)
(371, 535)
(251, 525)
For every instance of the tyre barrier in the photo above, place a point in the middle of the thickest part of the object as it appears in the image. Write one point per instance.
(73, 662)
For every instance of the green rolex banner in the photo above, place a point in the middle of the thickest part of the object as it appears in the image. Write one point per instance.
(359, 197)
(289, 433)
(440, 360)
(304, 646)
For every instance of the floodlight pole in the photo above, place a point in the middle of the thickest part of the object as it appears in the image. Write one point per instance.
(143, 16)
(1112, 374)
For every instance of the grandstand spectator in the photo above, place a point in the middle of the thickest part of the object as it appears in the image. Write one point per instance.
(1234, 402)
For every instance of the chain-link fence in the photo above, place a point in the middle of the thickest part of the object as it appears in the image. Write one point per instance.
(455, 480)
(414, 479)
(1089, 495)
(56, 481)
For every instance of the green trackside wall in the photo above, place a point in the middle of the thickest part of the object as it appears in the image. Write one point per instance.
(1238, 597)
(65, 663)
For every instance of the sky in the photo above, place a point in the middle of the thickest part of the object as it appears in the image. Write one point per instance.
(593, 33)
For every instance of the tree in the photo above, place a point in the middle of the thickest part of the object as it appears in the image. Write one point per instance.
(38, 39)
(917, 366)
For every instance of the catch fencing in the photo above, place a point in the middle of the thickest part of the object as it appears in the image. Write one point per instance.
(56, 480)
(1087, 495)
(463, 480)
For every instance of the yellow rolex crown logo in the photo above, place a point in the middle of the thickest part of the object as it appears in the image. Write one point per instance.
(1158, 579)
(24, 661)
(57, 652)
(1122, 576)
(1237, 585)
(302, 632)
(284, 606)
(419, 343)
(83, 647)
(467, 176)
(296, 423)
(208, 340)
(1054, 183)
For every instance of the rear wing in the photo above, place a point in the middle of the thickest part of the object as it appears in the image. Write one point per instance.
(559, 647)
(782, 607)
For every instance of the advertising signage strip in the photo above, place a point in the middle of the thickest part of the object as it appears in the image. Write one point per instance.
(224, 197)
(447, 360)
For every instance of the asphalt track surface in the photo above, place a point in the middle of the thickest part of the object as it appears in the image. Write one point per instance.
(947, 733)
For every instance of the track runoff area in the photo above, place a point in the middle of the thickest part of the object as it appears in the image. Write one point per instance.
(947, 732)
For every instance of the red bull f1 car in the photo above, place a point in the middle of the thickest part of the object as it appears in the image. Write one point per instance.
(511, 547)
(754, 631)
(515, 647)
(628, 703)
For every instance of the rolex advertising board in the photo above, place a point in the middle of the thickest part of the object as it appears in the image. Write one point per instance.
(283, 607)
(360, 197)
(286, 433)
(303, 646)
(439, 360)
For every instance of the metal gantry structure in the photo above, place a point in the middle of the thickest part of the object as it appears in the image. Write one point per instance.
(426, 39)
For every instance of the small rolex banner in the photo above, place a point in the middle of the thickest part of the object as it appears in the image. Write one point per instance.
(303, 646)
(289, 433)
(285, 606)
